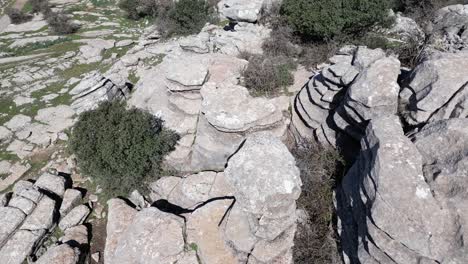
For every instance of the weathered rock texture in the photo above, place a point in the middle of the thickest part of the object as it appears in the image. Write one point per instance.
(246, 214)
(30, 214)
(334, 107)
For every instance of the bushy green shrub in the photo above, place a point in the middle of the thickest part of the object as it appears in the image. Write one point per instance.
(324, 19)
(60, 23)
(185, 17)
(137, 9)
(320, 167)
(17, 16)
(118, 147)
(266, 76)
(40, 6)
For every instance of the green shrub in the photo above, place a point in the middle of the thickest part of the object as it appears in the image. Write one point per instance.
(266, 76)
(324, 19)
(137, 9)
(185, 17)
(40, 6)
(60, 23)
(120, 148)
(17, 16)
(315, 239)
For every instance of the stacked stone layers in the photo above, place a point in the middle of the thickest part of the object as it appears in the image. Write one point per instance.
(246, 214)
(335, 105)
(31, 212)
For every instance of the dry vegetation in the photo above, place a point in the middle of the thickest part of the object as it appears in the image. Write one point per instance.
(320, 169)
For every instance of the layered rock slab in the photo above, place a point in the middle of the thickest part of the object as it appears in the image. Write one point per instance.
(386, 208)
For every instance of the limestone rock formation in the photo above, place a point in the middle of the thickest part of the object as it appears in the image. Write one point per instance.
(437, 89)
(335, 105)
(29, 216)
(387, 211)
(449, 28)
(243, 215)
(96, 88)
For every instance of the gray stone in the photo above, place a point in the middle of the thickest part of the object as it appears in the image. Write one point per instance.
(58, 117)
(10, 218)
(19, 246)
(447, 30)
(51, 183)
(71, 198)
(61, 254)
(5, 134)
(137, 199)
(186, 74)
(232, 109)
(437, 89)
(241, 10)
(124, 43)
(77, 234)
(146, 231)
(120, 217)
(5, 167)
(75, 217)
(18, 122)
(24, 204)
(387, 210)
(43, 216)
(203, 230)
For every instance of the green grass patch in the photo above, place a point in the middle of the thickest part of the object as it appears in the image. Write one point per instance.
(133, 78)
(8, 107)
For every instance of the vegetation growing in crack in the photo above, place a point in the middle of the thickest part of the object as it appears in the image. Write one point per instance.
(120, 148)
(315, 238)
(267, 75)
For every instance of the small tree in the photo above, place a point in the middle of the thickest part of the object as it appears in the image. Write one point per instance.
(119, 147)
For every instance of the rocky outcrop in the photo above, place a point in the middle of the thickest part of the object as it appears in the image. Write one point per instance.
(448, 28)
(207, 107)
(387, 211)
(436, 89)
(241, 10)
(243, 215)
(30, 216)
(335, 105)
(95, 88)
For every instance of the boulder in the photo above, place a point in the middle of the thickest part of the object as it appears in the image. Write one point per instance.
(24, 204)
(232, 109)
(75, 217)
(61, 254)
(386, 209)
(241, 10)
(43, 217)
(20, 246)
(11, 218)
(93, 89)
(448, 26)
(159, 234)
(77, 234)
(120, 217)
(71, 198)
(444, 147)
(266, 188)
(51, 183)
(437, 89)
(204, 231)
